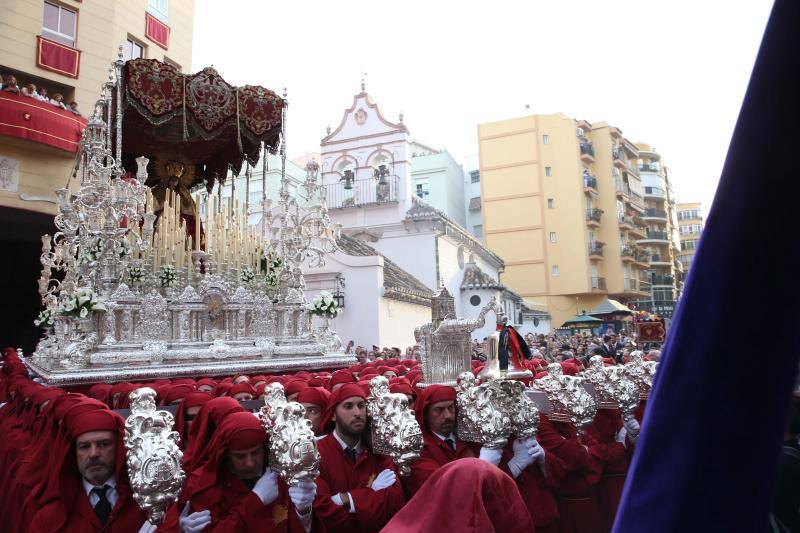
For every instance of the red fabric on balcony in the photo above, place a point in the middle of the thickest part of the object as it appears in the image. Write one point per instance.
(57, 57)
(26, 118)
(156, 31)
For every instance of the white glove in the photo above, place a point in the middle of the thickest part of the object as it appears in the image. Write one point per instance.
(302, 495)
(384, 480)
(147, 527)
(491, 456)
(536, 452)
(621, 434)
(633, 428)
(267, 487)
(521, 460)
(195, 522)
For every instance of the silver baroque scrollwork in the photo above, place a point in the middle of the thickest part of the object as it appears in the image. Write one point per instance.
(154, 457)
(395, 431)
(292, 448)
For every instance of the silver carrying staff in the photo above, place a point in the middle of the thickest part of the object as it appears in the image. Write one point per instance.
(292, 448)
(154, 458)
(394, 430)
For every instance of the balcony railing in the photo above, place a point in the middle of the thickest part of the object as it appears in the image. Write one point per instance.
(657, 235)
(655, 213)
(630, 284)
(655, 191)
(599, 284)
(587, 148)
(625, 219)
(637, 199)
(594, 215)
(626, 251)
(662, 280)
(641, 255)
(622, 187)
(648, 167)
(364, 192)
(596, 248)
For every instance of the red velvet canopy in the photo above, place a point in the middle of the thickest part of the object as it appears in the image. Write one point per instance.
(196, 117)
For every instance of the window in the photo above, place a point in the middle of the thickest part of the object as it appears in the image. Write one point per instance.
(475, 300)
(478, 231)
(159, 9)
(554, 270)
(59, 24)
(168, 61)
(475, 176)
(548, 171)
(553, 236)
(133, 49)
(422, 190)
(550, 203)
(545, 139)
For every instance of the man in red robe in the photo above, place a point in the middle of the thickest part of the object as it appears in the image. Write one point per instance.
(202, 430)
(357, 491)
(93, 493)
(315, 400)
(234, 491)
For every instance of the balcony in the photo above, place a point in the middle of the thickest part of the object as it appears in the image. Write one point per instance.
(363, 193)
(655, 192)
(618, 158)
(652, 213)
(599, 284)
(627, 254)
(624, 221)
(648, 167)
(589, 183)
(637, 230)
(40, 122)
(665, 281)
(641, 257)
(637, 200)
(660, 260)
(661, 236)
(587, 151)
(593, 217)
(596, 250)
(623, 189)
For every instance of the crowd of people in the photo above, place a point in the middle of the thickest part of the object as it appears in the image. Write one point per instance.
(10, 85)
(63, 468)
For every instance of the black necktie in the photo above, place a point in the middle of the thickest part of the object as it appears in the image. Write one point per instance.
(351, 454)
(103, 507)
(450, 442)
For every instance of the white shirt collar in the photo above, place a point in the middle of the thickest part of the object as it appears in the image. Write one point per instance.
(111, 482)
(445, 437)
(344, 445)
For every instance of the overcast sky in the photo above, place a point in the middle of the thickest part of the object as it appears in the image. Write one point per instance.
(668, 72)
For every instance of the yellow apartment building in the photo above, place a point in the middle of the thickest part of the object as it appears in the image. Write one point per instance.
(690, 226)
(65, 47)
(563, 205)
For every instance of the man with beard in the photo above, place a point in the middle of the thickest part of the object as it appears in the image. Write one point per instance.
(357, 491)
(88, 489)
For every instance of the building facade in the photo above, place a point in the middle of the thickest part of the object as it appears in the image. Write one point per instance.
(65, 47)
(665, 272)
(473, 207)
(437, 179)
(690, 227)
(370, 171)
(563, 205)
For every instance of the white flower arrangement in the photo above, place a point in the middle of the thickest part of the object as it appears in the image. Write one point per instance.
(136, 274)
(92, 252)
(274, 267)
(80, 304)
(45, 318)
(123, 249)
(247, 275)
(168, 276)
(324, 305)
